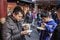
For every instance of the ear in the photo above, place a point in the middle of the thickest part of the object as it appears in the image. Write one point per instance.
(13, 14)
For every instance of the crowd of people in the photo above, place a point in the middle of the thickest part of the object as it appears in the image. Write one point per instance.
(33, 25)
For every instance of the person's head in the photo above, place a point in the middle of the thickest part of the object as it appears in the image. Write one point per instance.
(45, 16)
(17, 13)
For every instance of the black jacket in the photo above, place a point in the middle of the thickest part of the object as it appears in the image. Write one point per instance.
(12, 29)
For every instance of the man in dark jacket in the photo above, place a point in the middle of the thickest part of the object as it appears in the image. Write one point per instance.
(12, 29)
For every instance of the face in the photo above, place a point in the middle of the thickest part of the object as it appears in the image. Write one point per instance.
(18, 17)
(45, 19)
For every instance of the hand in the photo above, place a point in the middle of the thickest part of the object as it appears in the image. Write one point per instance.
(43, 25)
(24, 33)
(25, 27)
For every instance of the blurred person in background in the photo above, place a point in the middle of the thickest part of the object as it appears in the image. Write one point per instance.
(54, 14)
(28, 18)
(56, 34)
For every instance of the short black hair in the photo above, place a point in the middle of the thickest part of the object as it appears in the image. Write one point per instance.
(18, 9)
(45, 14)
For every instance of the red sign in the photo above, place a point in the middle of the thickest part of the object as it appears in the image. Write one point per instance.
(3, 8)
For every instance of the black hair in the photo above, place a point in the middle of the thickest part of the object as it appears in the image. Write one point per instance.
(18, 9)
(45, 14)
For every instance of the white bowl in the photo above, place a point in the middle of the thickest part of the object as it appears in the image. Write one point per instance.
(29, 31)
(41, 28)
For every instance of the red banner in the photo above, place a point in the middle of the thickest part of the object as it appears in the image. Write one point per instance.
(3, 8)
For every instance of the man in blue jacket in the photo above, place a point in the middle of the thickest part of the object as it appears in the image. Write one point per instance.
(49, 25)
